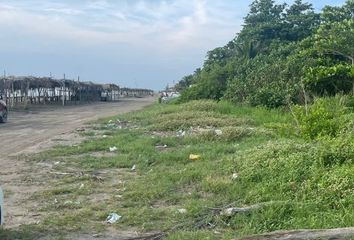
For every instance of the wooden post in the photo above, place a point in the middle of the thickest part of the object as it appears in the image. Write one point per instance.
(13, 94)
(26, 94)
(63, 92)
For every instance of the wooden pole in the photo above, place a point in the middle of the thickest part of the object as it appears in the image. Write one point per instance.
(63, 92)
(13, 94)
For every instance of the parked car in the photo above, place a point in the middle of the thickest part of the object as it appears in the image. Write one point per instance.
(1, 207)
(3, 112)
(168, 96)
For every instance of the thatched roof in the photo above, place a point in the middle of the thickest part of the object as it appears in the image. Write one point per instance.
(21, 83)
(136, 90)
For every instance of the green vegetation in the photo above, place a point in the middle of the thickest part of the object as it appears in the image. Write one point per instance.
(284, 54)
(274, 134)
(300, 173)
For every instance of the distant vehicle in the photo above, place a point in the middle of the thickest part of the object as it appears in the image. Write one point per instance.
(168, 96)
(1, 207)
(3, 112)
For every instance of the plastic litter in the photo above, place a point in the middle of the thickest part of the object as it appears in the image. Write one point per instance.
(181, 133)
(235, 210)
(182, 210)
(218, 132)
(111, 125)
(112, 218)
(134, 167)
(104, 136)
(161, 147)
(194, 157)
(228, 212)
(234, 176)
(113, 149)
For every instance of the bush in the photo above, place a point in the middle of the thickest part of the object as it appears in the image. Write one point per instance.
(269, 97)
(326, 117)
(330, 80)
(338, 150)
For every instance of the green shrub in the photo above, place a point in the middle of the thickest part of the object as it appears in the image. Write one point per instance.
(330, 80)
(269, 97)
(338, 150)
(325, 117)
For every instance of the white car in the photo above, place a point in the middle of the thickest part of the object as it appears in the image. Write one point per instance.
(1, 207)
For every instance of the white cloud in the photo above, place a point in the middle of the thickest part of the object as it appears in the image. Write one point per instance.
(66, 11)
(98, 5)
(162, 25)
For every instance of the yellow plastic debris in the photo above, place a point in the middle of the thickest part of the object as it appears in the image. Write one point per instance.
(194, 157)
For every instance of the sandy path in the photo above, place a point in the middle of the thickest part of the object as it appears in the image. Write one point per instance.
(27, 132)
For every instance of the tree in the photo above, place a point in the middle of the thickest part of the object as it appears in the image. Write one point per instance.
(300, 21)
(248, 50)
(281, 51)
(185, 83)
(337, 37)
(263, 22)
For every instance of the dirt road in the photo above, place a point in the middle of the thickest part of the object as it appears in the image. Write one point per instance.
(28, 131)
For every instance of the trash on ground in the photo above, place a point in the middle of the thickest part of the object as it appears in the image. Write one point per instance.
(113, 217)
(82, 186)
(194, 157)
(234, 176)
(181, 133)
(56, 163)
(161, 146)
(236, 210)
(228, 212)
(111, 125)
(104, 136)
(218, 132)
(113, 149)
(134, 167)
(182, 210)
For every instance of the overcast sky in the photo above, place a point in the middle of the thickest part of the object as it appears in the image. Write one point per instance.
(133, 43)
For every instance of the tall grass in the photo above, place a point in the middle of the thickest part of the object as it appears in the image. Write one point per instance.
(305, 183)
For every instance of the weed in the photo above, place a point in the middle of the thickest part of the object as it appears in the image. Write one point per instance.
(245, 162)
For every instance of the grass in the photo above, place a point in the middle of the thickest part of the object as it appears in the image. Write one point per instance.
(273, 165)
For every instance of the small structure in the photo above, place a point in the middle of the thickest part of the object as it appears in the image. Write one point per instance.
(35, 90)
(21, 91)
(110, 92)
(136, 92)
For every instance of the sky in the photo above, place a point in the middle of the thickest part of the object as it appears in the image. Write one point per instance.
(132, 43)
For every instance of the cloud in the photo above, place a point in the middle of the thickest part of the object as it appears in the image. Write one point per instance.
(187, 27)
(65, 11)
(98, 5)
(173, 24)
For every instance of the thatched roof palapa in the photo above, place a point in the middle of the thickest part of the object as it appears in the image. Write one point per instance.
(21, 83)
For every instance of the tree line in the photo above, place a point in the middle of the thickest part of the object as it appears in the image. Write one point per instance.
(284, 53)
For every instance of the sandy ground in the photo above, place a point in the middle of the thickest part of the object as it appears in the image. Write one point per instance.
(34, 131)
